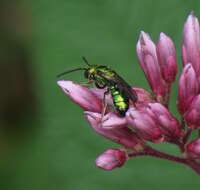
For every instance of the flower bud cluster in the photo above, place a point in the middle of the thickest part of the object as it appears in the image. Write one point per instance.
(149, 119)
(158, 63)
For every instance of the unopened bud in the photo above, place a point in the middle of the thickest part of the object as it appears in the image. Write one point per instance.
(111, 159)
(147, 56)
(167, 58)
(193, 149)
(187, 88)
(145, 125)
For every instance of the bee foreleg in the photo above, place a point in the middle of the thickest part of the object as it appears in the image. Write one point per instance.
(86, 84)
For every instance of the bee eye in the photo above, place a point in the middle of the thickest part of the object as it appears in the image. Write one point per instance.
(86, 74)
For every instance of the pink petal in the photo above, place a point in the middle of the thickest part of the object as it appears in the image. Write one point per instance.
(192, 116)
(193, 149)
(112, 120)
(81, 95)
(144, 97)
(145, 125)
(123, 136)
(166, 121)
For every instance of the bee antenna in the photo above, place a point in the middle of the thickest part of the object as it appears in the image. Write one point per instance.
(85, 60)
(70, 71)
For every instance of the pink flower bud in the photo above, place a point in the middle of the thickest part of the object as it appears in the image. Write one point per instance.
(193, 149)
(192, 116)
(144, 97)
(191, 43)
(144, 125)
(123, 136)
(81, 95)
(147, 56)
(111, 159)
(112, 121)
(166, 121)
(167, 58)
(187, 88)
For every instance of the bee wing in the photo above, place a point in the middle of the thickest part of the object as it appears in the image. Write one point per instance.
(127, 89)
(108, 76)
(124, 87)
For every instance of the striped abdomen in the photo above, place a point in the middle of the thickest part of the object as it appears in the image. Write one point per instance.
(121, 102)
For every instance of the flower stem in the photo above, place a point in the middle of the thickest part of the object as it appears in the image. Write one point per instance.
(167, 96)
(183, 123)
(187, 135)
(194, 165)
(158, 154)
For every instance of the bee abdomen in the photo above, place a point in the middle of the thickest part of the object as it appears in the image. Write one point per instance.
(121, 103)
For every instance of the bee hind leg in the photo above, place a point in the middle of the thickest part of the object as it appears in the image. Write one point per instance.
(104, 103)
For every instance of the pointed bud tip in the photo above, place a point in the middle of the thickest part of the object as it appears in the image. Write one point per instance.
(142, 33)
(192, 13)
(66, 85)
(61, 83)
(191, 16)
(166, 39)
(163, 35)
(143, 37)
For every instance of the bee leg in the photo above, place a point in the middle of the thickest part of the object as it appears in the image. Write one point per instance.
(104, 103)
(86, 84)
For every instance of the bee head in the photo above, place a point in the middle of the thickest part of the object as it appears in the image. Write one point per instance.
(90, 73)
(86, 73)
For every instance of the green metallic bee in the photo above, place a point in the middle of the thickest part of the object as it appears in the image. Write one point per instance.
(104, 77)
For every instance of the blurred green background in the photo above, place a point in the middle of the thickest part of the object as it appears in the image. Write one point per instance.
(60, 153)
